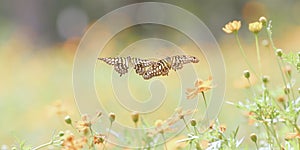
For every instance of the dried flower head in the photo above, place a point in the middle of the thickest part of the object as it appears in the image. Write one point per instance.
(281, 99)
(233, 26)
(222, 128)
(98, 139)
(255, 27)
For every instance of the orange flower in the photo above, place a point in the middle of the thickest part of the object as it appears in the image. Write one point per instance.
(290, 136)
(233, 26)
(200, 86)
(71, 143)
(99, 139)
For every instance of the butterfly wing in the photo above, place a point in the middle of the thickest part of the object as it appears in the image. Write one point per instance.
(120, 64)
(179, 60)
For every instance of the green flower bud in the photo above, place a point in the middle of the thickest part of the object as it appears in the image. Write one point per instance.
(265, 79)
(263, 20)
(61, 133)
(279, 52)
(193, 122)
(68, 120)
(253, 137)
(112, 117)
(247, 74)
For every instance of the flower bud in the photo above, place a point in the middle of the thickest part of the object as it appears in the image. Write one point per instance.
(263, 20)
(255, 27)
(112, 117)
(61, 133)
(68, 120)
(265, 79)
(158, 123)
(247, 74)
(287, 90)
(253, 137)
(135, 116)
(280, 99)
(279, 52)
(193, 122)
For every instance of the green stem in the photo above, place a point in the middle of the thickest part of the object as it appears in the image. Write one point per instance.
(203, 95)
(256, 146)
(251, 88)
(163, 136)
(258, 52)
(269, 32)
(275, 136)
(243, 53)
(108, 133)
(186, 124)
(45, 145)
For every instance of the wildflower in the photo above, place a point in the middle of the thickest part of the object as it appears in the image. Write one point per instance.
(290, 136)
(255, 27)
(160, 127)
(233, 26)
(222, 128)
(84, 125)
(71, 143)
(98, 139)
(281, 99)
(200, 87)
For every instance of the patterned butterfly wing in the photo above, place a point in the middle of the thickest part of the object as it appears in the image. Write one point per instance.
(160, 68)
(121, 64)
(140, 65)
(179, 60)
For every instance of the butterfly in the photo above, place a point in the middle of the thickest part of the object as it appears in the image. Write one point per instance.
(149, 68)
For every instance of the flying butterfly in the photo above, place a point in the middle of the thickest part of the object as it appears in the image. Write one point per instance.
(162, 67)
(122, 64)
(149, 68)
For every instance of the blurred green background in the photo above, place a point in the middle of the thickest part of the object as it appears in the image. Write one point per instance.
(38, 41)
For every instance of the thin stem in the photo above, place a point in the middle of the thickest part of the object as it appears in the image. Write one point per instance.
(275, 136)
(45, 145)
(108, 133)
(251, 87)
(269, 32)
(163, 136)
(258, 52)
(186, 124)
(203, 95)
(243, 53)
(256, 146)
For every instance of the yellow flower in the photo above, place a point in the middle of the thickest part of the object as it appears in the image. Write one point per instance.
(255, 27)
(232, 26)
(200, 86)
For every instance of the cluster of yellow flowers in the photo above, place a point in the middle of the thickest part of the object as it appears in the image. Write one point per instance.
(255, 27)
